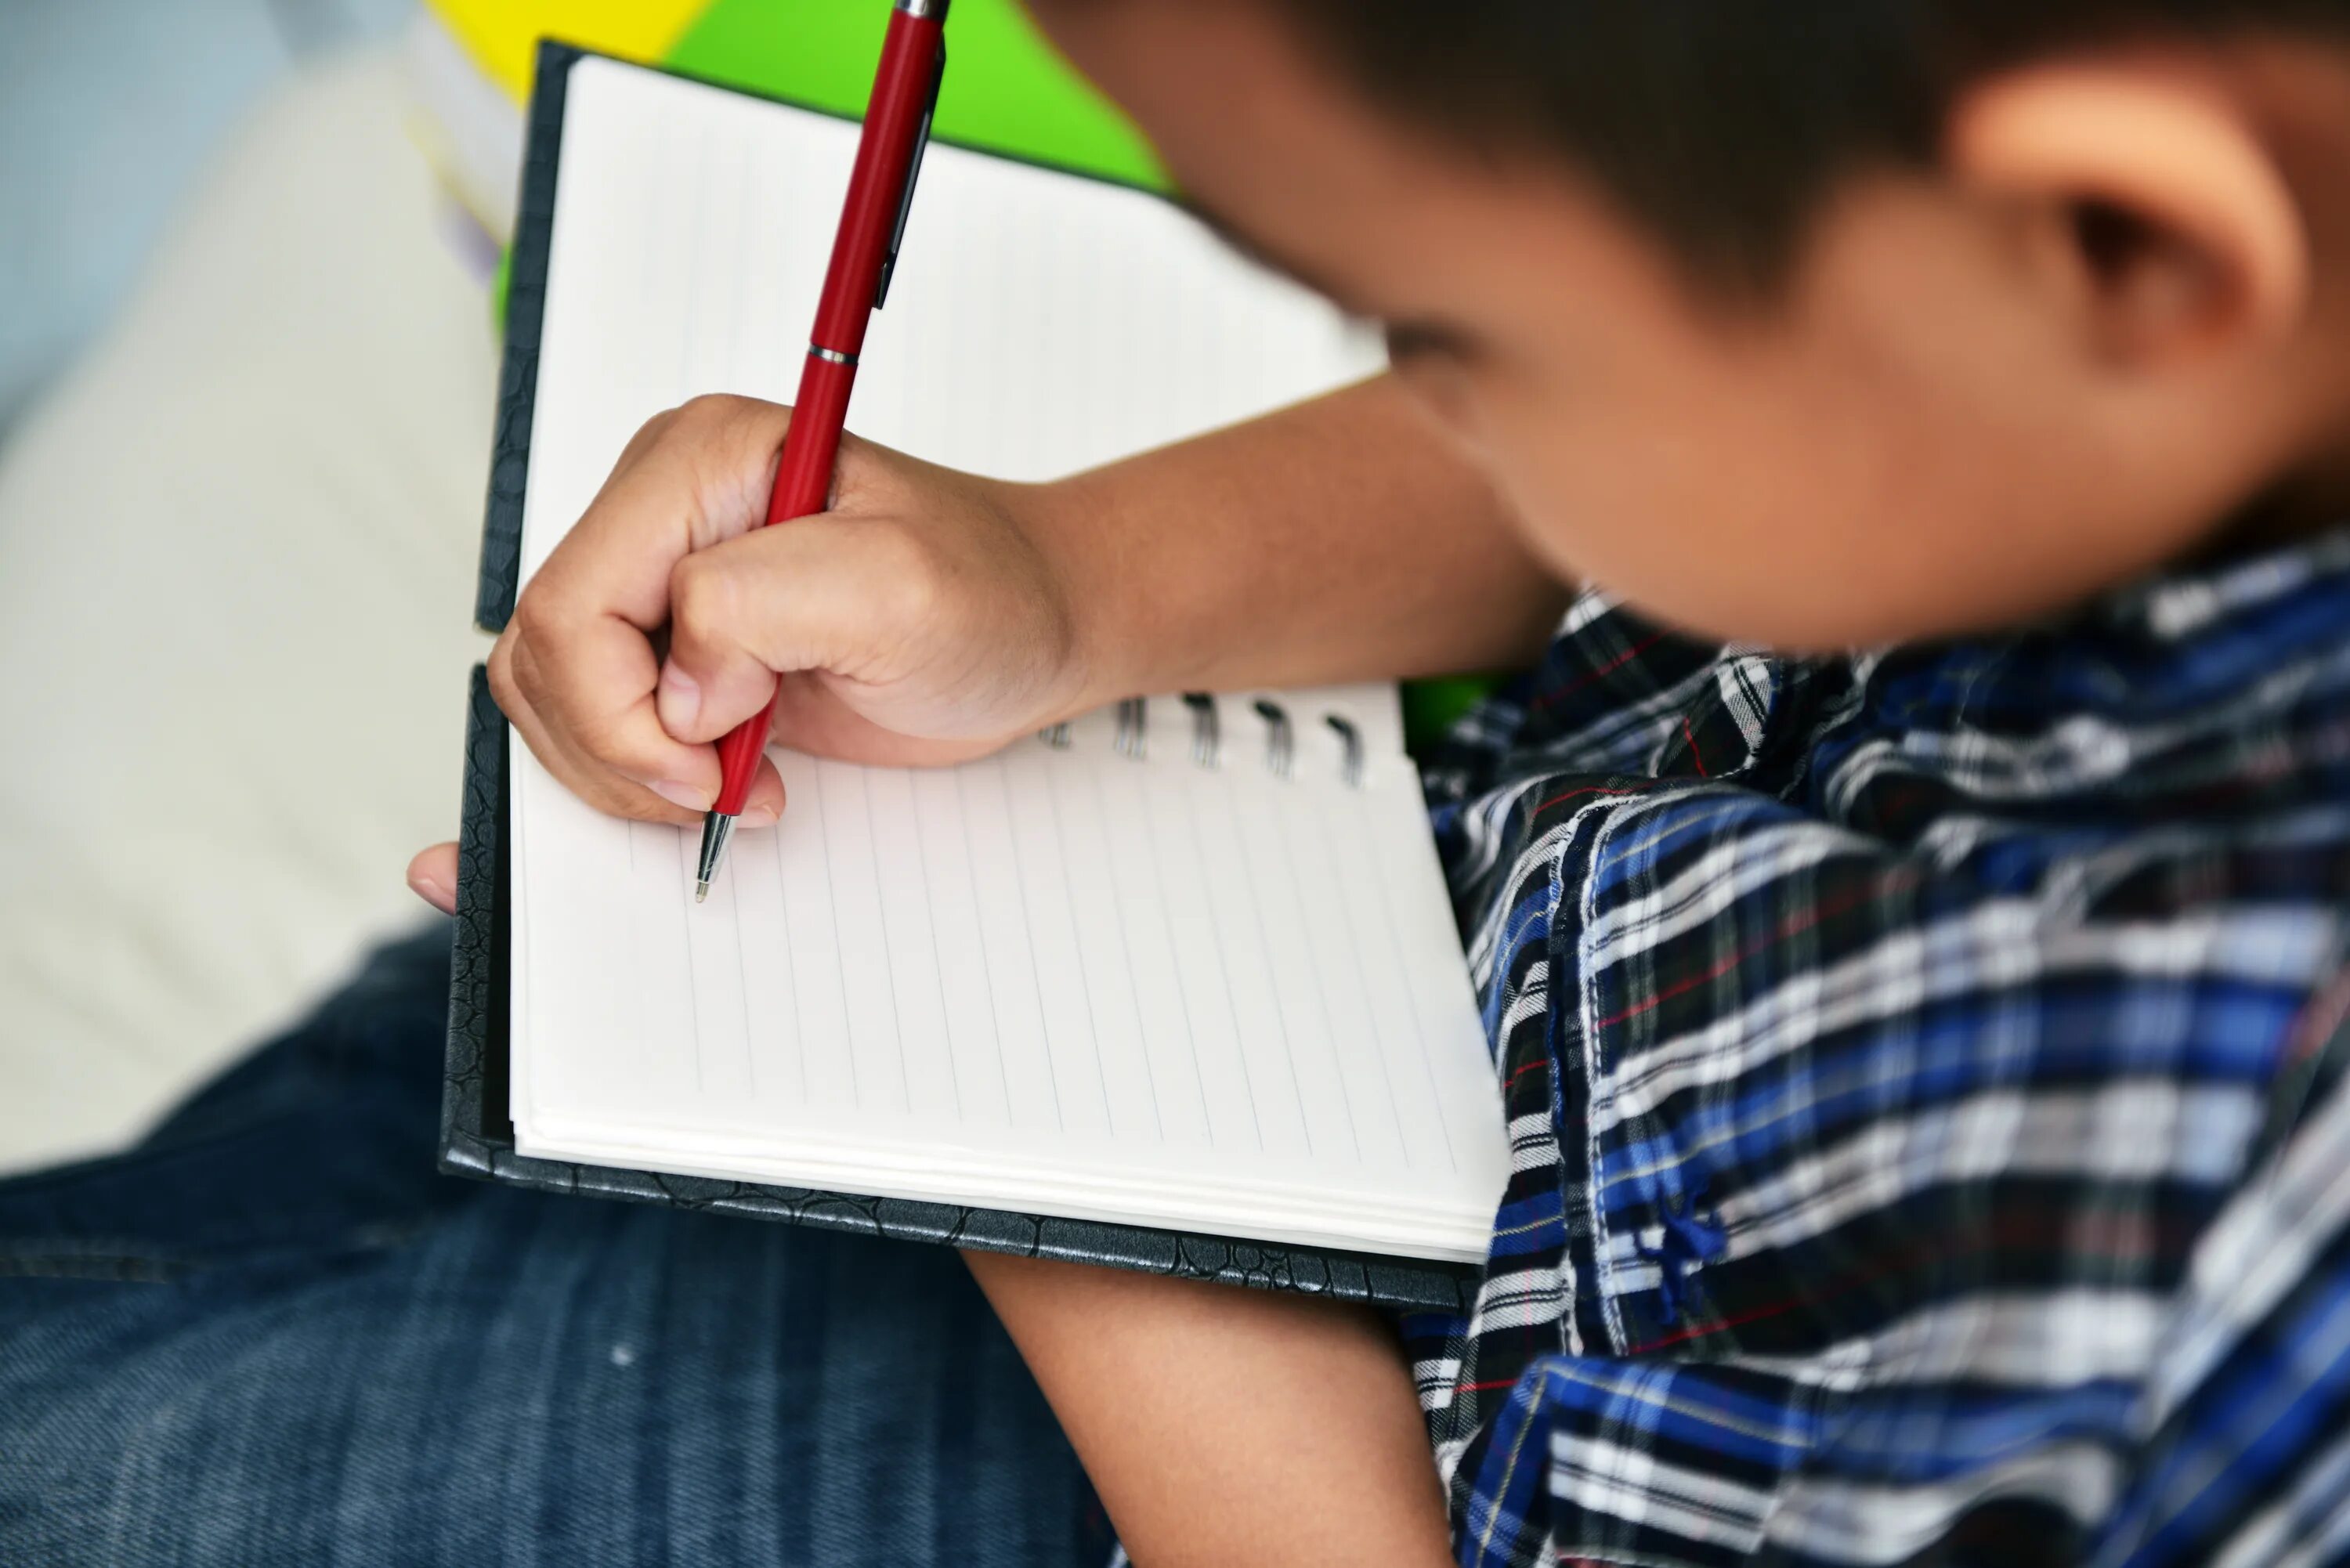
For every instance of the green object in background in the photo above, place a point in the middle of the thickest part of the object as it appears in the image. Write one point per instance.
(1006, 90)
(1432, 707)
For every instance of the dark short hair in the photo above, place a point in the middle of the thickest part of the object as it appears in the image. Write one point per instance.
(1720, 125)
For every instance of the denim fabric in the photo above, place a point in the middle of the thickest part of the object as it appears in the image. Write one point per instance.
(272, 1334)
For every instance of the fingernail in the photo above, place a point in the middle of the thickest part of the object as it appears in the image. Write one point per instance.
(759, 816)
(430, 889)
(681, 699)
(683, 794)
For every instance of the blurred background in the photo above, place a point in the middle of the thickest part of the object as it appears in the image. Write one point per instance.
(250, 252)
(108, 109)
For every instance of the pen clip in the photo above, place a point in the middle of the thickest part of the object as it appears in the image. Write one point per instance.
(913, 173)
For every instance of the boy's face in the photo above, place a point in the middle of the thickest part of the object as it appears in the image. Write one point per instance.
(1906, 442)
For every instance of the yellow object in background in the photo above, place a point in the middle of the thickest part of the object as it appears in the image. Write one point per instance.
(503, 36)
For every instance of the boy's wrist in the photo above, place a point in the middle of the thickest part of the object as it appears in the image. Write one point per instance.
(1075, 531)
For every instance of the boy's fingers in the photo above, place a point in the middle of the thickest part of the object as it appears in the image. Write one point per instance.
(596, 691)
(822, 592)
(679, 801)
(608, 792)
(647, 434)
(579, 650)
(582, 773)
(669, 801)
(433, 875)
(576, 670)
(702, 477)
(765, 804)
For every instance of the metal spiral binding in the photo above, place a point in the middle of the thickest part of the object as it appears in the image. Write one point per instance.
(1207, 731)
(1350, 741)
(1131, 740)
(1280, 740)
(1131, 716)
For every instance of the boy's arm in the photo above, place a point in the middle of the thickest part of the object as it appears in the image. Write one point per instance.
(1340, 539)
(1229, 1427)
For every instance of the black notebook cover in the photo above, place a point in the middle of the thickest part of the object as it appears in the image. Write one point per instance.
(476, 1137)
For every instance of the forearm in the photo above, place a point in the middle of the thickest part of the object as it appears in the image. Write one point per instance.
(1228, 1427)
(1342, 539)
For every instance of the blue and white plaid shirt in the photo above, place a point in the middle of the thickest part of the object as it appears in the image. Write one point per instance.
(1932, 1135)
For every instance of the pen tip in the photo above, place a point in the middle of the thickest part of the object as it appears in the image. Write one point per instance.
(716, 830)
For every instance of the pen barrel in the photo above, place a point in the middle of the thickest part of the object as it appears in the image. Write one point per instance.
(904, 86)
(802, 488)
(738, 759)
(812, 443)
(912, 54)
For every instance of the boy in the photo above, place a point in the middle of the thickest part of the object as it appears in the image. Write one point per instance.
(1923, 1064)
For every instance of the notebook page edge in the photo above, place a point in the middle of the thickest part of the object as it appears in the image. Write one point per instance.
(1464, 1238)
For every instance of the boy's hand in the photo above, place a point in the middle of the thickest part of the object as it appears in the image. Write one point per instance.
(916, 622)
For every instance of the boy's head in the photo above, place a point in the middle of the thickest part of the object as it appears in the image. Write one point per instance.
(1818, 323)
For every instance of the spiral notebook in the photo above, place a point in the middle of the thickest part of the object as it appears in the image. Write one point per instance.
(1183, 968)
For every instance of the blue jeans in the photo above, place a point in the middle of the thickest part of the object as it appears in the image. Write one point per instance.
(272, 1334)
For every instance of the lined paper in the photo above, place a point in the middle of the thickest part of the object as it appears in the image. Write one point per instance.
(1061, 980)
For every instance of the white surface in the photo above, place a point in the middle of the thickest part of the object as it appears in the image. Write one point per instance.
(236, 550)
(1069, 982)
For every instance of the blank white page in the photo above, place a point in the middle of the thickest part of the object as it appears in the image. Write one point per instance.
(1038, 323)
(1159, 983)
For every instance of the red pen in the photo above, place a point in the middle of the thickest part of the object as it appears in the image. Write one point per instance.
(864, 252)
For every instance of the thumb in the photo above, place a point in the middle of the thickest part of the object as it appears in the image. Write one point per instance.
(433, 876)
(820, 593)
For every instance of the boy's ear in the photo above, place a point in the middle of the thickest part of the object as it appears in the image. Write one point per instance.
(2150, 202)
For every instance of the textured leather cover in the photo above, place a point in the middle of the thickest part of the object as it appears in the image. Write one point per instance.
(526, 315)
(476, 1136)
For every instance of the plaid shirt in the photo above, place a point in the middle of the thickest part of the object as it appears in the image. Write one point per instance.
(1931, 1142)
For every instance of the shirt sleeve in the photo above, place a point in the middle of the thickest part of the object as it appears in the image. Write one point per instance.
(1912, 1159)
(2232, 1447)
(2246, 1416)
